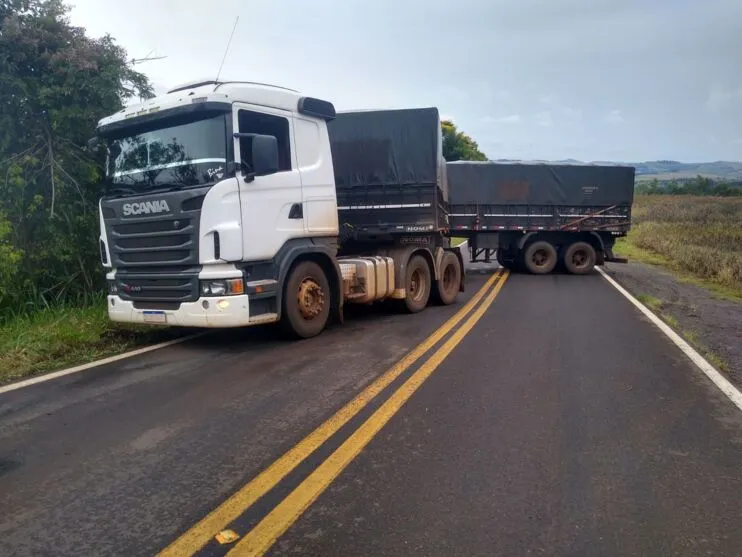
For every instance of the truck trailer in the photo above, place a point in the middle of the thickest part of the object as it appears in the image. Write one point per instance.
(230, 204)
(536, 217)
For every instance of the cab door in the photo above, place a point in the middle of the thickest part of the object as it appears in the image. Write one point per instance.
(272, 210)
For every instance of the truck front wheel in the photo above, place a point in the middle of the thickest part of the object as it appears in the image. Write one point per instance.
(417, 284)
(306, 301)
(447, 288)
(579, 258)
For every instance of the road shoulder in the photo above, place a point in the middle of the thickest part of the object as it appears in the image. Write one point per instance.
(713, 325)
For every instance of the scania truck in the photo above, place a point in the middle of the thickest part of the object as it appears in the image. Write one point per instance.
(230, 204)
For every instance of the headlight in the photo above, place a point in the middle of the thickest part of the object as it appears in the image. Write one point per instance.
(112, 288)
(228, 287)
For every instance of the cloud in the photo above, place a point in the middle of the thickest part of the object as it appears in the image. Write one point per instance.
(547, 100)
(674, 77)
(720, 97)
(571, 113)
(544, 119)
(614, 117)
(511, 119)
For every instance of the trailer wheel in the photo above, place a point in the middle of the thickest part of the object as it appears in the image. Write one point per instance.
(540, 258)
(447, 288)
(306, 301)
(417, 285)
(500, 260)
(579, 258)
(505, 260)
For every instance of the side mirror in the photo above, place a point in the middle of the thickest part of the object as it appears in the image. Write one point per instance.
(264, 155)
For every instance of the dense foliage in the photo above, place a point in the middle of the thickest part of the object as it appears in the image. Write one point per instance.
(697, 186)
(457, 146)
(55, 84)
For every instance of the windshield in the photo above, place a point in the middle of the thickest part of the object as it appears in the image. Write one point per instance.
(187, 154)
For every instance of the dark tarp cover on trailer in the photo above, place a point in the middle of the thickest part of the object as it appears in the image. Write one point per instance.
(492, 183)
(387, 148)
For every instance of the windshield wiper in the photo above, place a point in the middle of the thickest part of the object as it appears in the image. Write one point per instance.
(121, 190)
(163, 188)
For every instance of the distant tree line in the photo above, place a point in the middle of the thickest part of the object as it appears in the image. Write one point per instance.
(695, 186)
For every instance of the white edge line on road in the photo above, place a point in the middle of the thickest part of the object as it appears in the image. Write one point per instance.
(711, 372)
(104, 361)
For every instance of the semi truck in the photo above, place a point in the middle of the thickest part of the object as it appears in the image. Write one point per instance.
(539, 217)
(231, 203)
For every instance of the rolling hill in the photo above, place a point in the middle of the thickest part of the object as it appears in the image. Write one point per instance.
(665, 170)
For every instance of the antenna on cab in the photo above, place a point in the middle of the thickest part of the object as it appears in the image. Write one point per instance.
(226, 50)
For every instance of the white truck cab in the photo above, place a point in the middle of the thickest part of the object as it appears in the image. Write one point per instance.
(217, 192)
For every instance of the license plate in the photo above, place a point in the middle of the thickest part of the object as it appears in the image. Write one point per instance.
(155, 317)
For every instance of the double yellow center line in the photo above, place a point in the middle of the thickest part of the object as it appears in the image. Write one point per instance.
(258, 540)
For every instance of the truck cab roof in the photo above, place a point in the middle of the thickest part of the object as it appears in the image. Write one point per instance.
(225, 92)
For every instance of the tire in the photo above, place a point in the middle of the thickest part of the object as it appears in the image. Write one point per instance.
(447, 288)
(308, 318)
(503, 262)
(540, 258)
(579, 258)
(417, 285)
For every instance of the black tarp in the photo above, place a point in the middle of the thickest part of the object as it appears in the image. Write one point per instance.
(490, 183)
(380, 148)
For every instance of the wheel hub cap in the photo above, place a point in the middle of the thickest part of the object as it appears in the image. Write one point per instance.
(311, 299)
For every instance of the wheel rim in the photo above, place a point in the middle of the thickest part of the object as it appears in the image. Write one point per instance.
(311, 298)
(417, 285)
(580, 259)
(449, 276)
(540, 258)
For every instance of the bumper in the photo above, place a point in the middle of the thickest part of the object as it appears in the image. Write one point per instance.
(232, 311)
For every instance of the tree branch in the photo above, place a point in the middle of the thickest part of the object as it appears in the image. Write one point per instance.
(71, 179)
(51, 169)
(18, 155)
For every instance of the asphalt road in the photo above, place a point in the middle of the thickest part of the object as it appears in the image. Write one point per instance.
(552, 419)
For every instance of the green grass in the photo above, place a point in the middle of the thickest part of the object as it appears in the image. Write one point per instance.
(671, 321)
(66, 336)
(655, 304)
(698, 238)
(456, 241)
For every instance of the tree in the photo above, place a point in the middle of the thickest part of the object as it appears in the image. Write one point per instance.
(459, 146)
(55, 84)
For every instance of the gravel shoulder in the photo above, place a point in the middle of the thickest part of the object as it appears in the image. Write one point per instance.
(713, 325)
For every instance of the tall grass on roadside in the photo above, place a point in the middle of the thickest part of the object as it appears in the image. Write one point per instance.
(701, 236)
(66, 335)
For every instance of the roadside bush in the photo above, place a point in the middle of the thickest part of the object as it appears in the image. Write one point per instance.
(55, 84)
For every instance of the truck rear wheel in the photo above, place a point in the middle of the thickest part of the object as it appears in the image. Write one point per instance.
(417, 285)
(447, 287)
(508, 260)
(579, 258)
(540, 258)
(306, 301)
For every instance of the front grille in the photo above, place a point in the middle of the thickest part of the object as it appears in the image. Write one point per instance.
(162, 288)
(156, 255)
(167, 226)
(161, 241)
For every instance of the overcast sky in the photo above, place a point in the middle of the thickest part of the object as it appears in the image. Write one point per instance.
(620, 80)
